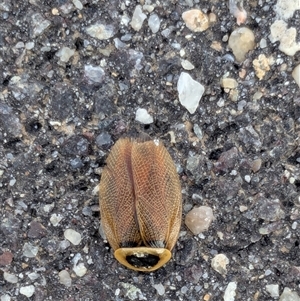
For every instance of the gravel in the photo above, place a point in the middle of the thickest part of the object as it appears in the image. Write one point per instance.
(77, 75)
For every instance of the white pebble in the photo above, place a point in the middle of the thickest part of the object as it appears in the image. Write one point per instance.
(159, 288)
(296, 74)
(137, 18)
(143, 116)
(5, 298)
(65, 54)
(101, 31)
(273, 290)
(11, 278)
(294, 225)
(187, 65)
(30, 250)
(73, 236)
(219, 263)
(77, 4)
(190, 92)
(247, 178)
(289, 295)
(64, 278)
(199, 219)
(79, 269)
(154, 23)
(94, 74)
(229, 294)
(55, 219)
(27, 291)
(12, 182)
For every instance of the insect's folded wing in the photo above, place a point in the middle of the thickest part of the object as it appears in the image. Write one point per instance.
(158, 194)
(117, 198)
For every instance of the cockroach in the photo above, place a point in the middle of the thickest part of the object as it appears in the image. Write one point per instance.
(140, 203)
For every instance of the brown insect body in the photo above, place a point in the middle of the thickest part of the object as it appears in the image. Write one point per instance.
(140, 203)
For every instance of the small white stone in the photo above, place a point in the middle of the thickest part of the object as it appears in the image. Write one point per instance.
(29, 45)
(154, 23)
(143, 116)
(199, 219)
(27, 291)
(296, 74)
(73, 236)
(289, 295)
(101, 31)
(30, 250)
(65, 54)
(229, 294)
(5, 298)
(11, 278)
(12, 182)
(94, 74)
(241, 41)
(79, 269)
(137, 18)
(247, 178)
(77, 4)
(187, 65)
(159, 288)
(285, 9)
(55, 219)
(219, 263)
(64, 278)
(273, 290)
(190, 92)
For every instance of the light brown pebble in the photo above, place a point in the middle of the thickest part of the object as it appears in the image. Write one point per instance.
(195, 20)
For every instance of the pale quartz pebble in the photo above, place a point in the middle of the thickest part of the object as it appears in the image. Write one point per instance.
(94, 74)
(159, 288)
(29, 45)
(64, 278)
(187, 65)
(296, 74)
(273, 290)
(30, 250)
(287, 37)
(65, 53)
(73, 236)
(142, 116)
(11, 278)
(137, 18)
(77, 4)
(285, 9)
(154, 23)
(5, 297)
(195, 20)
(241, 41)
(39, 24)
(199, 219)
(229, 83)
(289, 295)
(237, 10)
(189, 91)
(219, 263)
(229, 294)
(79, 269)
(101, 31)
(27, 291)
(55, 219)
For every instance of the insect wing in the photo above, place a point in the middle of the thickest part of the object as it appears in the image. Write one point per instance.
(117, 198)
(158, 194)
